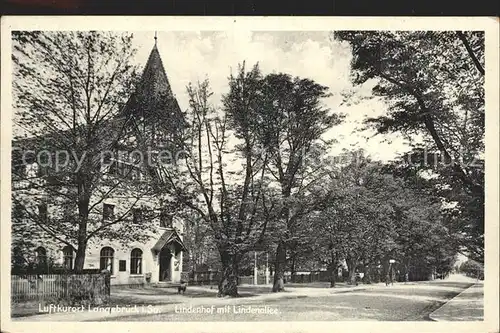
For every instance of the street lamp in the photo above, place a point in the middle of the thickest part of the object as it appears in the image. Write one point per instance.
(255, 269)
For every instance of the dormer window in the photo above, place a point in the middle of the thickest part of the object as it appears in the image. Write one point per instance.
(42, 211)
(137, 215)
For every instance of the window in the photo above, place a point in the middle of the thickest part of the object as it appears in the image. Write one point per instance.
(18, 211)
(137, 215)
(108, 212)
(31, 170)
(43, 165)
(122, 265)
(19, 170)
(135, 174)
(106, 160)
(136, 261)
(41, 256)
(42, 211)
(113, 169)
(68, 257)
(125, 170)
(107, 255)
(165, 219)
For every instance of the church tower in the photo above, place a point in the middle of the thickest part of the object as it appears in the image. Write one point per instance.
(153, 104)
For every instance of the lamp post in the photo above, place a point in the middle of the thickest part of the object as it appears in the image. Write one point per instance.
(255, 271)
(267, 268)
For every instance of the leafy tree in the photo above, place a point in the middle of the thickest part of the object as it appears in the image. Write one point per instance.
(433, 85)
(199, 239)
(472, 268)
(219, 175)
(291, 121)
(374, 216)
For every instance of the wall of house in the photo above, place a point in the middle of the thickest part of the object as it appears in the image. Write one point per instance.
(150, 260)
(122, 251)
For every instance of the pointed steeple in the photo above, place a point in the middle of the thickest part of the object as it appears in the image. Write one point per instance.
(153, 88)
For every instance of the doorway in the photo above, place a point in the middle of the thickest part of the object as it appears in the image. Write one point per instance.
(165, 257)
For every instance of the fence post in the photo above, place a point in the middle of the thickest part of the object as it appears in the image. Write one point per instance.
(107, 283)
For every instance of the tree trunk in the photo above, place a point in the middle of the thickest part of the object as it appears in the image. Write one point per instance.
(332, 272)
(351, 266)
(293, 272)
(279, 268)
(80, 256)
(83, 214)
(228, 283)
(407, 270)
(368, 274)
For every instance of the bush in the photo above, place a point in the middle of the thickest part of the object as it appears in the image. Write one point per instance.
(473, 269)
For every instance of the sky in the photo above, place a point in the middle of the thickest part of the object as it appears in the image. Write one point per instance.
(195, 56)
(190, 56)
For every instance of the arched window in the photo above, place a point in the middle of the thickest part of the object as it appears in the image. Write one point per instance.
(68, 257)
(136, 261)
(106, 262)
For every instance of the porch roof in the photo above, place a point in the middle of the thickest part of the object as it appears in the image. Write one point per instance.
(168, 237)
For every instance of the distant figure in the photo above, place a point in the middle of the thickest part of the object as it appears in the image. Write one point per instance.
(182, 288)
(389, 278)
(357, 277)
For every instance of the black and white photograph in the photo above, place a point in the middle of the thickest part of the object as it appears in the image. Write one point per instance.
(247, 174)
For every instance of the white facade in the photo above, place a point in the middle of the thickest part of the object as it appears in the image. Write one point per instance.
(156, 264)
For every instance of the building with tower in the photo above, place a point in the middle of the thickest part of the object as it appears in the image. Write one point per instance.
(155, 252)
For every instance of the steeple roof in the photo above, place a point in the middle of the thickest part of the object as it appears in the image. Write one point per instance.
(153, 88)
(154, 79)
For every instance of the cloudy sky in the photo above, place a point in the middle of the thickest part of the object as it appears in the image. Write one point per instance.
(194, 56)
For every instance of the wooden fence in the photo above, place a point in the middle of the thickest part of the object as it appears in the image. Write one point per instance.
(212, 277)
(204, 277)
(94, 288)
(313, 276)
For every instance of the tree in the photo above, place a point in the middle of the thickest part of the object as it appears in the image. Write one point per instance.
(68, 90)
(473, 269)
(291, 122)
(219, 175)
(433, 85)
(357, 226)
(199, 239)
(373, 216)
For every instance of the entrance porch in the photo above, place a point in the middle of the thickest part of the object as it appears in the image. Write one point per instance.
(169, 250)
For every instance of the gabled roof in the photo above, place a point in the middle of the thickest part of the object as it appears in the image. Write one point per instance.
(168, 237)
